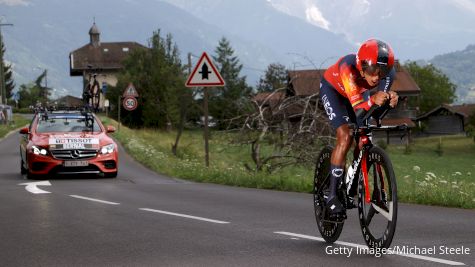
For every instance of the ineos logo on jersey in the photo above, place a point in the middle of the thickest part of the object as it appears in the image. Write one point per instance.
(328, 109)
(386, 86)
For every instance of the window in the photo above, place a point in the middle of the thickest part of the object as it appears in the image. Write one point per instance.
(65, 124)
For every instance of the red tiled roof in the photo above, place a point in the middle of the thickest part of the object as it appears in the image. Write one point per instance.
(403, 82)
(104, 56)
(305, 82)
(441, 107)
(466, 109)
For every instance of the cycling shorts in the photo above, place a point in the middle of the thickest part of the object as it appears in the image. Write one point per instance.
(337, 107)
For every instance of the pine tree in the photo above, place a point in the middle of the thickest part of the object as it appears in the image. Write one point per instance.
(274, 78)
(232, 100)
(7, 74)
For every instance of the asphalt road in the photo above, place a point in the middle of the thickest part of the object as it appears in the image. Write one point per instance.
(146, 219)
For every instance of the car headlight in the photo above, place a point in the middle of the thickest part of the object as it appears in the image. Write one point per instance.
(39, 150)
(107, 149)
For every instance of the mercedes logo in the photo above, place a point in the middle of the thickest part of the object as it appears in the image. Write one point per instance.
(75, 154)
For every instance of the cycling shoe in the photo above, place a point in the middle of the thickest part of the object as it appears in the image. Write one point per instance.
(335, 209)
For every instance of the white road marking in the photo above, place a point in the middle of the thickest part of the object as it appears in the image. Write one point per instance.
(32, 187)
(420, 257)
(183, 215)
(95, 200)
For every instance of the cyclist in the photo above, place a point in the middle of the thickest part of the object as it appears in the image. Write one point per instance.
(346, 97)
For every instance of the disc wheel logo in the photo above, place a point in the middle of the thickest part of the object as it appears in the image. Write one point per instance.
(130, 103)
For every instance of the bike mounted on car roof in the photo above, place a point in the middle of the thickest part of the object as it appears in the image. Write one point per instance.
(375, 187)
(92, 93)
(44, 114)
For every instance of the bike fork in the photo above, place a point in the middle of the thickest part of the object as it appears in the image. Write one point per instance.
(364, 169)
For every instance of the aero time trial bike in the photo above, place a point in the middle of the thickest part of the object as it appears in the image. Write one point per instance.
(92, 93)
(371, 177)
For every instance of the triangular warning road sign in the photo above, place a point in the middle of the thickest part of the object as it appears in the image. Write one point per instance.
(204, 74)
(130, 91)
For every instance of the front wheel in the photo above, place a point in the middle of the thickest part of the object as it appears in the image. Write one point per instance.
(378, 217)
(23, 170)
(330, 231)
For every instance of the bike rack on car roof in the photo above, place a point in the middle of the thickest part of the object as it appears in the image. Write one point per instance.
(85, 111)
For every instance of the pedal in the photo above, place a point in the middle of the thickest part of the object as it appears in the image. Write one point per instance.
(337, 218)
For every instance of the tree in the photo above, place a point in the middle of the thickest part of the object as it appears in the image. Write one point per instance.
(7, 74)
(158, 76)
(436, 87)
(232, 100)
(28, 95)
(274, 78)
(44, 92)
(33, 93)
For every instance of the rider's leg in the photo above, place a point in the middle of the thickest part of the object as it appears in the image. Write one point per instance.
(340, 113)
(338, 160)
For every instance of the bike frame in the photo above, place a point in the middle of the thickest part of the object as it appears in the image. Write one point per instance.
(363, 136)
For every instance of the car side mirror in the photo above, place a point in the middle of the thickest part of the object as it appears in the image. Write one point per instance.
(24, 130)
(110, 129)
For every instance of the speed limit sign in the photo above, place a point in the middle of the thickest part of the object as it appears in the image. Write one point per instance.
(130, 103)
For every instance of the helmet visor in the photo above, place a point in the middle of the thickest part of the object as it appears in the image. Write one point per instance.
(376, 69)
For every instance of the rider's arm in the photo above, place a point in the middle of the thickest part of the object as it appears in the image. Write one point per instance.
(353, 92)
(386, 82)
(385, 86)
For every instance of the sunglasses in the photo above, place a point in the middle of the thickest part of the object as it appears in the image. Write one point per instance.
(376, 69)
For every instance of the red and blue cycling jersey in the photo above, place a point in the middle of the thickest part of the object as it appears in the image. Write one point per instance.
(346, 79)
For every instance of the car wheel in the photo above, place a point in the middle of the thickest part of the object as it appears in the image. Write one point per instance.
(22, 169)
(31, 176)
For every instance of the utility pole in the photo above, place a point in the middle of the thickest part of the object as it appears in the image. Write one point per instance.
(3, 89)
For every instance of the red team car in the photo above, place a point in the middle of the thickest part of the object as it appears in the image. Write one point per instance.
(67, 142)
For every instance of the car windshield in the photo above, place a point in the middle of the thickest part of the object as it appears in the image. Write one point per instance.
(67, 124)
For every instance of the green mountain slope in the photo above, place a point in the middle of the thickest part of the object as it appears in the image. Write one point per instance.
(459, 66)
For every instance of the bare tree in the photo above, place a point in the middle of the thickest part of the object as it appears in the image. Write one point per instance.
(292, 130)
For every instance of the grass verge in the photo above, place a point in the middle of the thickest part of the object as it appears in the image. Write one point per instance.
(425, 176)
(18, 121)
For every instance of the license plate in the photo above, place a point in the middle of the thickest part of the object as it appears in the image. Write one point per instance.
(76, 163)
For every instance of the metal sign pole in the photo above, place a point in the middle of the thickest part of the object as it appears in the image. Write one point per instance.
(118, 112)
(204, 74)
(206, 133)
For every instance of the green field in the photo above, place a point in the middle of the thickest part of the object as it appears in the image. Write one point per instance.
(18, 121)
(424, 176)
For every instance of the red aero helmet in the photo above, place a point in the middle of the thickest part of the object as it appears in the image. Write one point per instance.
(375, 55)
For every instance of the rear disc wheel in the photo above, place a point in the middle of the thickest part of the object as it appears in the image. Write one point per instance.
(330, 231)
